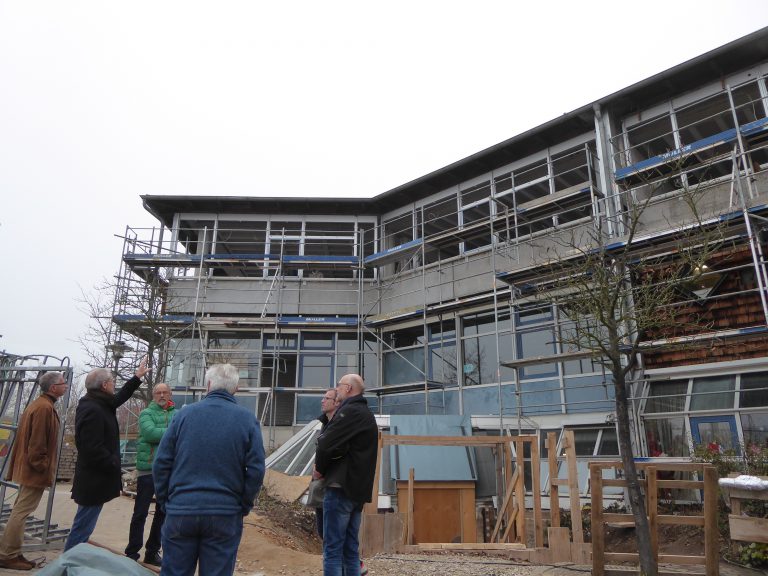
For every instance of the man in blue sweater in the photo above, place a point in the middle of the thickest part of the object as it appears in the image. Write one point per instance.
(208, 470)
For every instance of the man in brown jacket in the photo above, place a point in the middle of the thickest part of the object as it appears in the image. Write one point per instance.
(32, 465)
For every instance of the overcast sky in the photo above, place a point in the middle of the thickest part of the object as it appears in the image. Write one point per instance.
(103, 101)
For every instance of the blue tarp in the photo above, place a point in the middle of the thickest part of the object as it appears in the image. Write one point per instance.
(89, 560)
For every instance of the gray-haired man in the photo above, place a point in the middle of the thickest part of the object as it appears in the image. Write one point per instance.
(32, 465)
(98, 475)
(208, 470)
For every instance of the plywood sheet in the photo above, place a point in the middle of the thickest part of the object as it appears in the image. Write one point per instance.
(284, 487)
(559, 544)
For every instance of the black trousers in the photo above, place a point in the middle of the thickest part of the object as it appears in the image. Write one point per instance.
(145, 490)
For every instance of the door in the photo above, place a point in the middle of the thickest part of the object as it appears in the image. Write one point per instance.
(716, 432)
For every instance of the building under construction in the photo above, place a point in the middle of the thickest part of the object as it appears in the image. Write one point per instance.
(425, 289)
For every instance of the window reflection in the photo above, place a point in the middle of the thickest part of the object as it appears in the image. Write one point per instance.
(316, 371)
(755, 428)
(752, 396)
(666, 437)
(403, 366)
(702, 397)
(480, 360)
(667, 396)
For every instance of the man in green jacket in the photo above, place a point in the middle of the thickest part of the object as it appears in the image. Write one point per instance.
(153, 422)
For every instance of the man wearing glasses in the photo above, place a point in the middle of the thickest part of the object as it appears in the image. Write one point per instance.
(98, 475)
(328, 406)
(346, 458)
(32, 465)
(153, 422)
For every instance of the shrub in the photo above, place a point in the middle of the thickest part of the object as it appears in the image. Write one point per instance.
(754, 555)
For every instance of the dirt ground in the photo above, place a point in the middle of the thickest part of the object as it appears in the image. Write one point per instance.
(279, 539)
(683, 540)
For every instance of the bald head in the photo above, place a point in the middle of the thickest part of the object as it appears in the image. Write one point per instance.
(349, 385)
(161, 394)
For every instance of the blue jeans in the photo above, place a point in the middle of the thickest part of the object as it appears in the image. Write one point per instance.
(83, 525)
(145, 490)
(341, 525)
(211, 540)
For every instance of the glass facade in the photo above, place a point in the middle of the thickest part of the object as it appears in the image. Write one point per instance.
(430, 329)
(726, 411)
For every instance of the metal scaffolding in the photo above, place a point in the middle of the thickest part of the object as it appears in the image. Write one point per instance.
(406, 281)
(19, 378)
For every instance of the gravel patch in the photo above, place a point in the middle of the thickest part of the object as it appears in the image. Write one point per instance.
(445, 565)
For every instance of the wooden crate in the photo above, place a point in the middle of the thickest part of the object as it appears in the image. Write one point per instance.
(442, 511)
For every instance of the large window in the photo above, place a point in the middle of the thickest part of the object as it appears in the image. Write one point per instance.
(242, 349)
(245, 247)
(370, 361)
(440, 218)
(480, 361)
(404, 356)
(476, 206)
(708, 406)
(536, 337)
(396, 231)
(347, 354)
(649, 138)
(754, 390)
(403, 366)
(715, 393)
(316, 371)
(442, 353)
(755, 428)
(285, 240)
(666, 396)
(404, 360)
(327, 240)
(666, 437)
(184, 368)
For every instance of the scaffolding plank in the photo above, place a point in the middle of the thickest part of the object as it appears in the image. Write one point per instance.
(165, 320)
(149, 329)
(321, 262)
(752, 128)
(161, 259)
(393, 254)
(394, 316)
(230, 322)
(645, 246)
(400, 388)
(240, 259)
(317, 321)
(723, 137)
(551, 204)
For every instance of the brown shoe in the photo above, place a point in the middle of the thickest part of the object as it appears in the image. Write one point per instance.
(22, 557)
(17, 563)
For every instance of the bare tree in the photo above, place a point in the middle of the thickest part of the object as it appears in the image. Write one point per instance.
(102, 334)
(626, 297)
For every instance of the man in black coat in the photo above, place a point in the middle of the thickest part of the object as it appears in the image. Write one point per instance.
(346, 458)
(97, 437)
